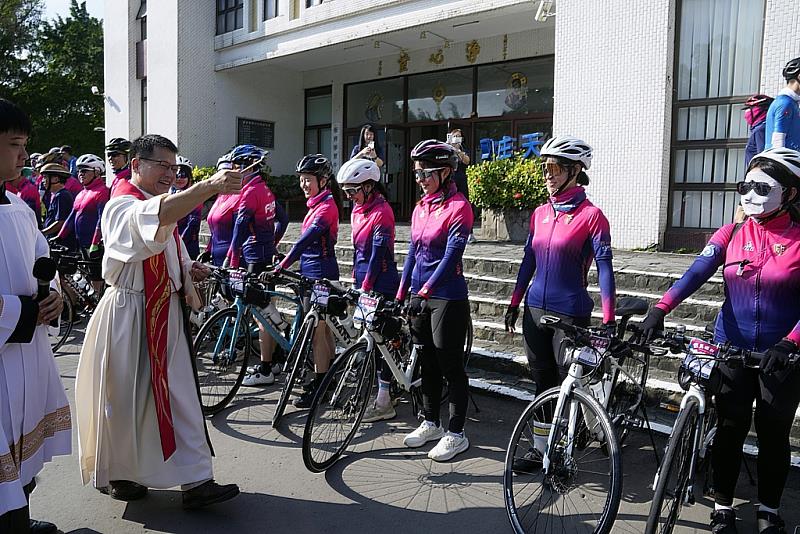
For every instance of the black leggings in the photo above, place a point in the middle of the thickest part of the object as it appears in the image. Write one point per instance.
(543, 347)
(18, 521)
(440, 332)
(777, 397)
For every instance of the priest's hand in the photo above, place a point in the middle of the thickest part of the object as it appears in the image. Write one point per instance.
(50, 308)
(225, 182)
(199, 272)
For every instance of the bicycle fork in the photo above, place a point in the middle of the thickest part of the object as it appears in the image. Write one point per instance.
(572, 380)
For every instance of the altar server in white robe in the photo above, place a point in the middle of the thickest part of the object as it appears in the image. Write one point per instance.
(35, 420)
(138, 411)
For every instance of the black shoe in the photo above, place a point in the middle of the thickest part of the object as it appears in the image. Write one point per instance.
(769, 523)
(528, 464)
(42, 527)
(208, 493)
(124, 490)
(723, 522)
(304, 400)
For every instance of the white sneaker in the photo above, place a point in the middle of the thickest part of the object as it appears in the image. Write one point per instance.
(258, 379)
(253, 369)
(424, 433)
(379, 413)
(450, 445)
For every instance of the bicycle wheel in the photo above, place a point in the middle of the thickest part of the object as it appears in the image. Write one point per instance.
(673, 474)
(298, 356)
(64, 325)
(628, 393)
(220, 369)
(338, 407)
(582, 489)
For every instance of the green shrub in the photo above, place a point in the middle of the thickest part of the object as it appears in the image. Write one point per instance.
(285, 187)
(506, 184)
(201, 173)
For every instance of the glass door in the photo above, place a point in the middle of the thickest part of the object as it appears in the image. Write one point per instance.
(396, 175)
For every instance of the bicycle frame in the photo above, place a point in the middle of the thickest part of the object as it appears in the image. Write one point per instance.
(404, 379)
(573, 381)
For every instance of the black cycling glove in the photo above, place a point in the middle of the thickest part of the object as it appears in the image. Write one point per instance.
(512, 314)
(653, 323)
(777, 358)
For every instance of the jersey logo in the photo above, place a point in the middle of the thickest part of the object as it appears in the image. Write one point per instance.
(546, 220)
(709, 251)
(569, 218)
(748, 247)
(779, 249)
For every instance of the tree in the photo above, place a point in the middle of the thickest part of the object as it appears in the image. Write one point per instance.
(19, 25)
(61, 64)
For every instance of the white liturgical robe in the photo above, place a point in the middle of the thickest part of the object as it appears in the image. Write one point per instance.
(35, 420)
(115, 410)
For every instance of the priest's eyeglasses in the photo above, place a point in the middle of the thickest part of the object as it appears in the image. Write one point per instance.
(163, 164)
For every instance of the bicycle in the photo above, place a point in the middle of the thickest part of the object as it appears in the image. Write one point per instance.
(76, 290)
(690, 441)
(563, 464)
(344, 393)
(328, 303)
(223, 344)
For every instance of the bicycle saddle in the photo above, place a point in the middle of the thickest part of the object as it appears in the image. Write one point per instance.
(627, 306)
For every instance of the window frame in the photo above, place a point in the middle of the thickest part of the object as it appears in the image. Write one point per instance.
(237, 6)
(275, 4)
(318, 128)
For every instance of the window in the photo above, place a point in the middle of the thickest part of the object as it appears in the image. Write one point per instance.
(440, 96)
(318, 121)
(270, 9)
(378, 102)
(717, 66)
(230, 15)
(144, 106)
(517, 88)
(311, 3)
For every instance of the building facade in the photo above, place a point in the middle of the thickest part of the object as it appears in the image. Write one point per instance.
(654, 86)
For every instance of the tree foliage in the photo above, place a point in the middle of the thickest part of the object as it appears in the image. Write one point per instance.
(59, 62)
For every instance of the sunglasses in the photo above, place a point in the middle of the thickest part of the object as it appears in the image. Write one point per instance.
(425, 174)
(163, 164)
(553, 169)
(762, 189)
(352, 191)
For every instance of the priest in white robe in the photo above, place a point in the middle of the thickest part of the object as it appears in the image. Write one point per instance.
(138, 411)
(35, 420)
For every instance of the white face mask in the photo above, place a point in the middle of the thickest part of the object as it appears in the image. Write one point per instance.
(457, 140)
(756, 205)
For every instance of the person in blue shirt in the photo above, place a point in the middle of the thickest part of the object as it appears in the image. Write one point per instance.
(783, 117)
(367, 147)
(61, 201)
(69, 160)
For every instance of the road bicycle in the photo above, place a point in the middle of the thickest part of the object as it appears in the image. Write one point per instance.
(327, 303)
(77, 293)
(224, 343)
(691, 440)
(563, 466)
(339, 405)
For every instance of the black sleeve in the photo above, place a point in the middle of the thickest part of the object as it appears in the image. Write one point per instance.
(26, 325)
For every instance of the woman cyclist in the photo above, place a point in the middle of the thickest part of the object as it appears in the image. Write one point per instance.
(374, 268)
(189, 226)
(221, 218)
(760, 259)
(258, 225)
(565, 235)
(315, 250)
(439, 308)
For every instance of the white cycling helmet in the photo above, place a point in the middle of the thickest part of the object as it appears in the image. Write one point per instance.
(358, 171)
(785, 156)
(90, 161)
(184, 162)
(571, 148)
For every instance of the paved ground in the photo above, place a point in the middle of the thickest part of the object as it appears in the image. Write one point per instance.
(382, 487)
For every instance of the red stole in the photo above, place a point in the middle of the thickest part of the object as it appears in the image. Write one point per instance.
(156, 310)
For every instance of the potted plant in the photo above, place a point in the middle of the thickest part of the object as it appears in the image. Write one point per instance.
(507, 191)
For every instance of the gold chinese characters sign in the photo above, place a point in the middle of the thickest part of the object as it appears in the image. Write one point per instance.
(473, 50)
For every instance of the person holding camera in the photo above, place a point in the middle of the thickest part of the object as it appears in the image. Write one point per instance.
(366, 147)
(456, 139)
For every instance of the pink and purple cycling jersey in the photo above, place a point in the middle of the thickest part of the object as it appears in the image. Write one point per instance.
(221, 219)
(315, 247)
(440, 226)
(189, 230)
(253, 238)
(761, 268)
(566, 234)
(84, 220)
(30, 194)
(374, 267)
(123, 174)
(73, 186)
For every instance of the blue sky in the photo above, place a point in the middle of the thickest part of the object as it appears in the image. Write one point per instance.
(53, 8)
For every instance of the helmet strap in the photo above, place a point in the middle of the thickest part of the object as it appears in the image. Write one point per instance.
(570, 180)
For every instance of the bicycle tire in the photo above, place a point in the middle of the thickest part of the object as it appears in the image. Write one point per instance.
(65, 323)
(296, 359)
(590, 492)
(226, 371)
(676, 459)
(347, 371)
(623, 399)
